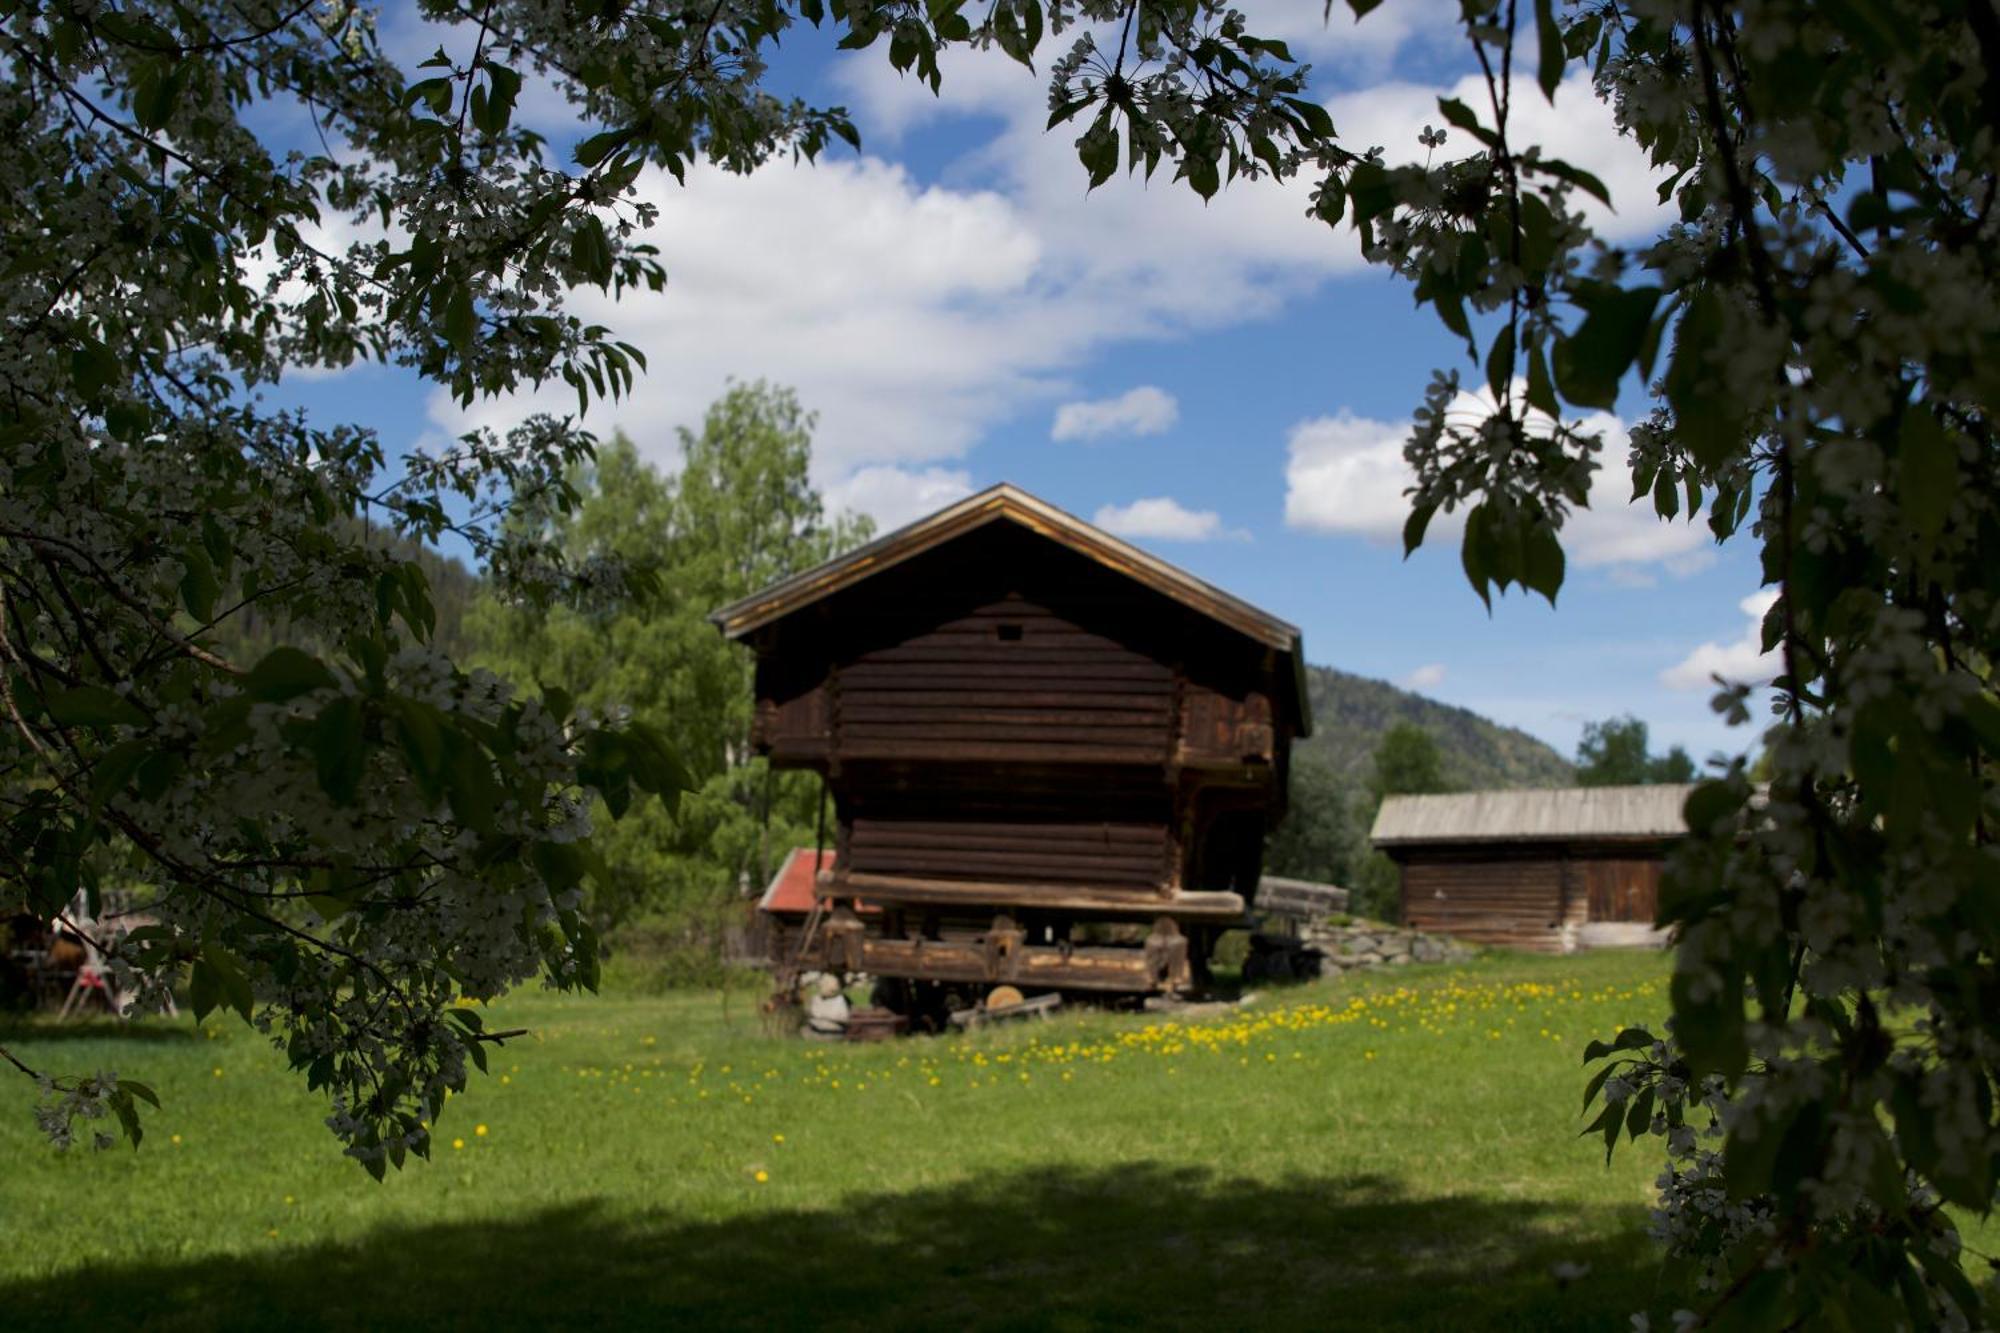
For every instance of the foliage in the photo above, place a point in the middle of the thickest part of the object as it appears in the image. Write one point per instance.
(203, 196)
(1317, 839)
(1407, 762)
(1350, 714)
(1614, 753)
(741, 513)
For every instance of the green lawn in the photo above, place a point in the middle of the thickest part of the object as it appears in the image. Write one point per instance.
(1395, 1151)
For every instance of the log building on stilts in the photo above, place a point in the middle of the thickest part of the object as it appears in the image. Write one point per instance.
(1052, 758)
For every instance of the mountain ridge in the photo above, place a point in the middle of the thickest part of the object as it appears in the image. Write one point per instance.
(1351, 713)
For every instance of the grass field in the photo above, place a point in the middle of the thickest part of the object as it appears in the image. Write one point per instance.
(1391, 1151)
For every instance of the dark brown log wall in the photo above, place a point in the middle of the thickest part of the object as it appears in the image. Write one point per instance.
(1048, 825)
(1005, 712)
(1011, 681)
(1513, 904)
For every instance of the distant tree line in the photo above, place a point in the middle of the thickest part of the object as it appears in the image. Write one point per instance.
(740, 512)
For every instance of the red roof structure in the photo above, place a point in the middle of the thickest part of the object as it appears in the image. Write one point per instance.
(795, 885)
(792, 890)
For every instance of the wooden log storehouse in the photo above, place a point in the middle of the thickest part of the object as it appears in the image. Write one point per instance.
(1031, 732)
(1550, 871)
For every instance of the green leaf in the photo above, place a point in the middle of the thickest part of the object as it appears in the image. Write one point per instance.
(93, 367)
(1576, 176)
(1542, 562)
(470, 789)
(141, 1091)
(128, 1116)
(1708, 1020)
(1708, 419)
(597, 147)
(199, 586)
(339, 749)
(1461, 116)
(226, 973)
(93, 706)
(419, 728)
(1549, 70)
(1202, 174)
(461, 321)
(286, 673)
(1597, 1082)
(1472, 554)
(1097, 149)
(204, 990)
(1639, 1117)
(1591, 361)
(1628, 1039)
(1929, 472)
(1541, 387)
(1710, 804)
(1500, 362)
(1416, 524)
(114, 769)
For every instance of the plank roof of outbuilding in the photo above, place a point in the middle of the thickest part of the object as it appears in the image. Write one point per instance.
(1561, 814)
(1009, 503)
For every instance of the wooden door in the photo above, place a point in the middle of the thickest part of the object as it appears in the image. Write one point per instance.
(1621, 890)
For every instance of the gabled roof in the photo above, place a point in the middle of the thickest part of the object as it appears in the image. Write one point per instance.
(796, 884)
(1010, 504)
(1567, 814)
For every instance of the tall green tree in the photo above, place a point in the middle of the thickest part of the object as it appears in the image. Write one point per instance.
(1316, 839)
(741, 512)
(1616, 753)
(1407, 762)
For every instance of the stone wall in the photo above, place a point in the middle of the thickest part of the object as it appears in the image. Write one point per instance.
(1376, 945)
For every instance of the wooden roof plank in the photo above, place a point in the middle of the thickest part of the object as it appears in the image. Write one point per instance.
(1009, 503)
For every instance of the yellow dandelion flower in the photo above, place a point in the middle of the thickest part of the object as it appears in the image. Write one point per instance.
(479, 1131)
(762, 1176)
(777, 1138)
(457, 1144)
(175, 1140)
(218, 1071)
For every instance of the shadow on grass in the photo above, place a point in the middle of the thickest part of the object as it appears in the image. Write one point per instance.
(42, 1029)
(1135, 1247)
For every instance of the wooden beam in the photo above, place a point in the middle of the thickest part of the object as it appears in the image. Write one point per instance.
(1139, 901)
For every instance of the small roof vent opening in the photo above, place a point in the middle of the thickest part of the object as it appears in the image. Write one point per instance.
(1008, 633)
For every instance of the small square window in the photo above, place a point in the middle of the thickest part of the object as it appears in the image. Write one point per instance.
(1008, 633)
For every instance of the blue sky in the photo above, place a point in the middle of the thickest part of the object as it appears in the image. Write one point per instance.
(1227, 385)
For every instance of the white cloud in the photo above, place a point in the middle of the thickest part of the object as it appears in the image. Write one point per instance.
(1163, 519)
(1578, 128)
(1743, 660)
(1426, 677)
(915, 318)
(1345, 475)
(912, 318)
(893, 496)
(1146, 410)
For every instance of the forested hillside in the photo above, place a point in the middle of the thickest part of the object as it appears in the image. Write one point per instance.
(1350, 714)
